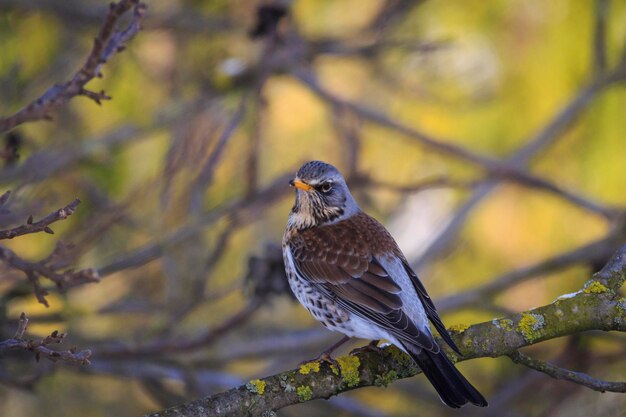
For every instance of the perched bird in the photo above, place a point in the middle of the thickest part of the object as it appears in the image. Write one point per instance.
(348, 271)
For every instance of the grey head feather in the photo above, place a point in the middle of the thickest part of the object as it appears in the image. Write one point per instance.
(328, 202)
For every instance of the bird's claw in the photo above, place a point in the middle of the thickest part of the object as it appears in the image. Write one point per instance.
(323, 357)
(370, 347)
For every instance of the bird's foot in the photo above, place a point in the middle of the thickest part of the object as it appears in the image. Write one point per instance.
(323, 357)
(370, 347)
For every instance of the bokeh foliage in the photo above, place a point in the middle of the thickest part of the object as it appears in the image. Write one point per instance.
(485, 76)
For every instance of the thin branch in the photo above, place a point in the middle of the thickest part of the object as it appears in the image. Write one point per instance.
(44, 163)
(3, 201)
(370, 49)
(347, 127)
(556, 372)
(107, 43)
(599, 36)
(390, 14)
(42, 225)
(181, 345)
(277, 344)
(52, 268)
(80, 12)
(205, 177)
(40, 346)
(511, 168)
(256, 137)
(541, 140)
(426, 184)
(154, 250)
(21, 327)
(586, 254)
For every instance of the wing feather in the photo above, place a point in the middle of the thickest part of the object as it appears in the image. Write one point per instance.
(431, 311)
(338, 261)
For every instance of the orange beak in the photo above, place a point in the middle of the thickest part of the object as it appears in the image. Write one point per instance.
(301, 185)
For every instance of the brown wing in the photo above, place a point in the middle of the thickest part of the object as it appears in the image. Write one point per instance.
(340, 261)
(331, 256)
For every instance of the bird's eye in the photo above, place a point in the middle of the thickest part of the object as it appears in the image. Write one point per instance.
(326, 187)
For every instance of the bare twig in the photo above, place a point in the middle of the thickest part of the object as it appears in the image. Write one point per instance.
(512, 168)
(3, 200)
(180, 345)
(599, 36)
(252, 157)
(586, 254)
(107, 43)
(371, 49)
(390, 13)
(541, 140)
(21, 328)
(556, 372)
(347, 127)
(425, 184)
(44, 163)
(50, 268)
(205, 177)
(40, 346)
(154, 250)
(79, 12)
(42, 225)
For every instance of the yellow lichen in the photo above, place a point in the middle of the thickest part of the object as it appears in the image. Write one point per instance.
(595, 287)
(304, 393)
(506, 324)
(459, 328)
(349, 366)
(529, 324)
(403, 360)
(385, 379)
(309, 367)
(257, 386)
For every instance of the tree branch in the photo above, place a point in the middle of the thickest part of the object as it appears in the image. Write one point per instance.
(511, 168)
(179, 345)
(595, 307)
(40, 346)
(107, 43)
(51, 268)
(42, 225)
(599, 250)
(556, 372)
(236, 207)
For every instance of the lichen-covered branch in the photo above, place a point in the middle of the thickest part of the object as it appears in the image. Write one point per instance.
(595, 307)
(108, 42)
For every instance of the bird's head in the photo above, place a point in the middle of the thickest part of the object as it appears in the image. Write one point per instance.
(322, 196)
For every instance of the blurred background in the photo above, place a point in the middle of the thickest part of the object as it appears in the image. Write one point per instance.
(215, 104)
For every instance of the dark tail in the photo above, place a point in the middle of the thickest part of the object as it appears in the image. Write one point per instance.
(452, 387)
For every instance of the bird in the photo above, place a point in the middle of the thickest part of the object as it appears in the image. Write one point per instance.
(346, 269)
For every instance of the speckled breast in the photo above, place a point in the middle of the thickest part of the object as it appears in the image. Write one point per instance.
(321, 307)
